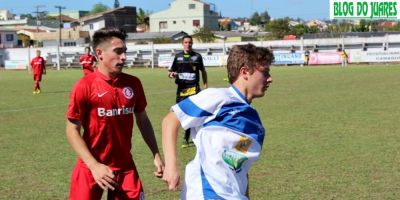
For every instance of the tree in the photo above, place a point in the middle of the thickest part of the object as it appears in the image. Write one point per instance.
(116, 4)
(255, 19)
(99, 7)
(204, 35)
(278, 28)
(142, 17)
(265, 18)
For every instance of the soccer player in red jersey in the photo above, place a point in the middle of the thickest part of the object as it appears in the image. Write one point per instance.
(38, 65)
(105, 104)
(87, 61)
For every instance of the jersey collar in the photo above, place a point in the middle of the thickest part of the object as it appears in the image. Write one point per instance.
(104, 77)
(239, 93)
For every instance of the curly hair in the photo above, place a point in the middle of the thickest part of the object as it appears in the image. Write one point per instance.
(247, 55)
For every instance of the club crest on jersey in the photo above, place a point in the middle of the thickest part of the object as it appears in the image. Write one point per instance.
(128, 92)
(193, 58)
(243, 144)
(234, 159)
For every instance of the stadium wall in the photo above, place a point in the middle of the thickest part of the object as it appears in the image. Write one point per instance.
(323, 51)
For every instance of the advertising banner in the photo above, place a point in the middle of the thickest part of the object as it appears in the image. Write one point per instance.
(288, 58)
(326, 58)
(15, 64)
(375, 56)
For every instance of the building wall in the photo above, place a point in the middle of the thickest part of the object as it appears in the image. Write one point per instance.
(93, 25)
(179, 17)
(8, 39)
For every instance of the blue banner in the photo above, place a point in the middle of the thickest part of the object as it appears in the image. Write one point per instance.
(288, 58)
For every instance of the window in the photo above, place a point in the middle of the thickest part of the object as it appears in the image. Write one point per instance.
(192, 6)
(9, 37)
(163, 25)
(91, 26)
(174, 22)
(196, 23)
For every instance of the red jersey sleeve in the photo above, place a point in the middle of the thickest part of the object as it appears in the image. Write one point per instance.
(78, 101)
(141, 103)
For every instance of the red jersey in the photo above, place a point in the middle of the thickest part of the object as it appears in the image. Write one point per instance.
(38, 64)
(105, 108)
(87, 62)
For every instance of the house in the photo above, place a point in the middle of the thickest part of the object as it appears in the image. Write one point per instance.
(319, 24)
(227, 24)
(173, 36)
(6, 15)
(8, 38)
(69, 37)
(185, 15)
(124, 18)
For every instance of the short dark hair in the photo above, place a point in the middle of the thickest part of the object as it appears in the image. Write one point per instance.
(105, 35)
(247, 55)
(187, 36)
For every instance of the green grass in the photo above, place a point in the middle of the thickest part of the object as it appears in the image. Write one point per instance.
(332, 133)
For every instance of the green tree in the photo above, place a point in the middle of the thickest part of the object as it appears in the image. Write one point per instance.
(204, 35)
(265, 18)
(278, 28)
(255, 19)
(142, 17)
(99, 7)
(116, 4)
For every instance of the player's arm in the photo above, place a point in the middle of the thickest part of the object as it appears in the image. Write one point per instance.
(170, 128)
(44, 66)
(146, 129)
(172, 70)
(102, 174)
(204, 77)
(203, 73)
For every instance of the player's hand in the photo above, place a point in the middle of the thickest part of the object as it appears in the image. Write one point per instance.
(171, 177)
(159, 166)
(172, 74)
(104, 176)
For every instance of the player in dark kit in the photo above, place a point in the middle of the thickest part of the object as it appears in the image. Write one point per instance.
(185, 69)
(105, 104)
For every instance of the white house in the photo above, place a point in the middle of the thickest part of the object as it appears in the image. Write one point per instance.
(185, 15)
(8, 38)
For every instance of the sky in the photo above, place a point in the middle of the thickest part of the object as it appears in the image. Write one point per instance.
(305, 9)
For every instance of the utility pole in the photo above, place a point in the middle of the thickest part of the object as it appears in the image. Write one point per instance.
(38, 15)
(59, 18)
(59, 37)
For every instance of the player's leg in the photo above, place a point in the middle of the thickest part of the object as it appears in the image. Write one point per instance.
(83, 185)
(130, 186)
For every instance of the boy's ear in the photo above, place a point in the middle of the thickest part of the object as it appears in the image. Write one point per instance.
(244, 72)
(99, 53)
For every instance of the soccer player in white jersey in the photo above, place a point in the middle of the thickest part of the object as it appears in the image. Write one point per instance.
(225, 128)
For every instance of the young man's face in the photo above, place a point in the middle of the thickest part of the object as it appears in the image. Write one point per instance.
(187, 45)
(38, 53)
(112, 56)
(87, 51)
(259, 81)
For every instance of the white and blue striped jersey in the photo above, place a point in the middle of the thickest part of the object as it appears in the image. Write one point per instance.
(228, 135)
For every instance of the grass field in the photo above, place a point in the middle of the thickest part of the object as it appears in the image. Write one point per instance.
(332, 133)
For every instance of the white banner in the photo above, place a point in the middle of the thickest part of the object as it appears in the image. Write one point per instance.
(375, 56)
(15, 64)
(208, 61)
